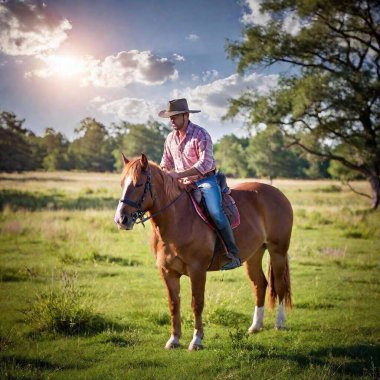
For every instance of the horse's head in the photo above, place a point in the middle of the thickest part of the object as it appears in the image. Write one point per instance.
(136, 197)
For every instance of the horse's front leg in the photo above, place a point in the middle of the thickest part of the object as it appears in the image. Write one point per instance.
(172, 283)
(198, 282)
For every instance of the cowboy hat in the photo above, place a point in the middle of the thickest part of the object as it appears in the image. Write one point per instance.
(176, 107)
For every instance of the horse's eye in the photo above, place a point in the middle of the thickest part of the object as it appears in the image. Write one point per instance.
(139, 185)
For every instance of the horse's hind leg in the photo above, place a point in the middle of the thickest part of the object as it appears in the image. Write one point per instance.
(255, 273)
(279, 281)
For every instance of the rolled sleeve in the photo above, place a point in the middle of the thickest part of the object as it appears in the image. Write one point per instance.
(206, 161)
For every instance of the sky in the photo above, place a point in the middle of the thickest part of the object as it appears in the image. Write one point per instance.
(64, 60)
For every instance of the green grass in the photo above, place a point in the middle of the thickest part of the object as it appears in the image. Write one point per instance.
(80, 299)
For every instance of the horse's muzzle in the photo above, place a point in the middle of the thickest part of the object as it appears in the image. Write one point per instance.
(124, 223)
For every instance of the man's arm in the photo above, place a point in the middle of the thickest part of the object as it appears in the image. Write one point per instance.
(185, 173)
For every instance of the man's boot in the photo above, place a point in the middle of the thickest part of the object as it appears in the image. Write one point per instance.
(232, 250)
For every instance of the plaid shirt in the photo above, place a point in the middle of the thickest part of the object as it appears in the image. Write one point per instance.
(194, 150)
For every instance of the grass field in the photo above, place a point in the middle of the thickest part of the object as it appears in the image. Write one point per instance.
(82, 300)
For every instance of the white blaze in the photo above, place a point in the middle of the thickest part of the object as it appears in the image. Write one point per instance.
(127, 183)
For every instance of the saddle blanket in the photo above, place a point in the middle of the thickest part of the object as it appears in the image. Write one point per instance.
(229, 207)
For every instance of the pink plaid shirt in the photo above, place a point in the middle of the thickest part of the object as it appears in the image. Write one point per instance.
(194, 150)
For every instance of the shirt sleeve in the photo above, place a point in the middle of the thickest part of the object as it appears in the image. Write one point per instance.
(206, 161)
(167, 159)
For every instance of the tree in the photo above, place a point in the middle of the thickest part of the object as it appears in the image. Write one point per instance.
(134, 139)
(332, 96)
(16, 153)
(230, 156)
(92, 150)
(268, 156)
(56, 150)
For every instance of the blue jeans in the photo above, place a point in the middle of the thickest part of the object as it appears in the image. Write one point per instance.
(213, 198)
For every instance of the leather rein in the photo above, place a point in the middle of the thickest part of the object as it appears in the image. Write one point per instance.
(139, 213)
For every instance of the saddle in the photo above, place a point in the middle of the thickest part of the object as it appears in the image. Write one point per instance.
(228, 203)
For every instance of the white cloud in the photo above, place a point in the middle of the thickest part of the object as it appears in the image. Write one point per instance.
(291, 22)
(114, 71)
(213, 98)
(192, 37)
(98, 99)
(178, 57)
(130, 67)
(194, 77)
(130, 109)
(209, 75)
(254, 16)
(29, 28)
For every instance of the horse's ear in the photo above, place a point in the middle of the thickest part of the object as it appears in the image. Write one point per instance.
(125, 159)
(144, 162)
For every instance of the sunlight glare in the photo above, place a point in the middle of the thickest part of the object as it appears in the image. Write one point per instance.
(65, 65)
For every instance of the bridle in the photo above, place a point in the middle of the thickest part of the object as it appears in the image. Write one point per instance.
(139, 213)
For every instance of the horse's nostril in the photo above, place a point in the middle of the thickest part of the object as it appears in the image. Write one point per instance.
(124, 220)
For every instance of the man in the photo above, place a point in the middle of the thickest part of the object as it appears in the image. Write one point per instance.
(188, 156)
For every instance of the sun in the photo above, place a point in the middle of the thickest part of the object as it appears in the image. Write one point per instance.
(64, 65)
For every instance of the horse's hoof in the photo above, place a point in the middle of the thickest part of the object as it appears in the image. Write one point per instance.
(280, 328)
(196, 347)
(171, 346)
(253, 330)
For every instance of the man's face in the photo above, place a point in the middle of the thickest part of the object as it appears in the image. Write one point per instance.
(178, 121)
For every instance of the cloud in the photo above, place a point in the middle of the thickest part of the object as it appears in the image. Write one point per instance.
(253, 14)
(213, 98)
(178, 57)
(130, 67)
(29, 28)
(192, 37)
(97, 99)
(114, 71)
(209, 75)
(130, 109)
(291, 22)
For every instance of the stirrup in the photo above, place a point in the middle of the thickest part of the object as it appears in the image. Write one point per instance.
(234, 263)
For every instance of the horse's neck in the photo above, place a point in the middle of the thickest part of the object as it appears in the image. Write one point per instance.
(167, 206)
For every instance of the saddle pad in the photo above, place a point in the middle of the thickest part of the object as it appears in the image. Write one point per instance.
(229, 207)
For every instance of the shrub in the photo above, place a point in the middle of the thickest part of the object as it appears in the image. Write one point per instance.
(64, 310)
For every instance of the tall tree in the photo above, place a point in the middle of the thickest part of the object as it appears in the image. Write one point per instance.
(134, 139)
(56, 150)
(16, 152)
(231, 157)
(92, 150)
(268, 156)
(332, 97)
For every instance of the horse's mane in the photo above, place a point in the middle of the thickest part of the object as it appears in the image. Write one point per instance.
(170, 186)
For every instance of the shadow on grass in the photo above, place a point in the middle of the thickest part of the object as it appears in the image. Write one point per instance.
(17, 362)
(36, 201)
(97, 257)
(36, 179)
(355, 360)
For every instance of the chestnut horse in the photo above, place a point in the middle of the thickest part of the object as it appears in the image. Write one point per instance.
(183, 245)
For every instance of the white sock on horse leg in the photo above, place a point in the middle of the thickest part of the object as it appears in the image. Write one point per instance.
(173, 342)
(196, 342)
(258, 319)
(281, 317)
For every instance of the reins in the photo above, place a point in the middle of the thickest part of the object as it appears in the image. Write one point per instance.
(159, 211)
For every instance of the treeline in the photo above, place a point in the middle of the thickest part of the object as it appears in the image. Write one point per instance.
(94, 148)
(97, 148)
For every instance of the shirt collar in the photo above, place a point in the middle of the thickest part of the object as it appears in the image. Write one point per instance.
(189, 129)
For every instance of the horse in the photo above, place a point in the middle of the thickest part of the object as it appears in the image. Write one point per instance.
(183, 245)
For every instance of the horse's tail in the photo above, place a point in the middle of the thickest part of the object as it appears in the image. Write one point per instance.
(272, 294)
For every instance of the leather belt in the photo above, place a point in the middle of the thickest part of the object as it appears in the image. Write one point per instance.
(210, 174)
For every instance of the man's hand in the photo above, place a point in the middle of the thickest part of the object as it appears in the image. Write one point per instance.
(174, 174)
